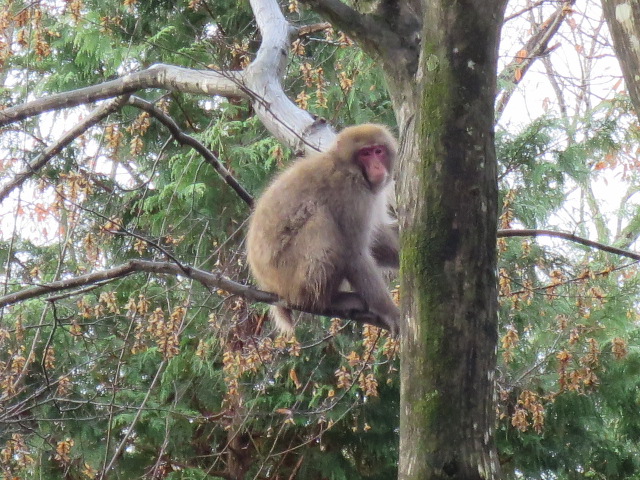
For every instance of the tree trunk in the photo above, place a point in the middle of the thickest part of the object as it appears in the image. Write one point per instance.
(447, 210)
(623, 18)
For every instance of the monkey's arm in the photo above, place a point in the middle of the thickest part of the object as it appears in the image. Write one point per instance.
(367, 281)
(386, 246)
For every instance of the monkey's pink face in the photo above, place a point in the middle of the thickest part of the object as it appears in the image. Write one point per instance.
(375, 163)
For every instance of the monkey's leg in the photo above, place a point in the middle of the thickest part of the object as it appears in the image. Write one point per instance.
(349, 302)
(282, 318)
(318, 259)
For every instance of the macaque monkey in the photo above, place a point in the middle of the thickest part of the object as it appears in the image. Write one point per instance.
(323, 221)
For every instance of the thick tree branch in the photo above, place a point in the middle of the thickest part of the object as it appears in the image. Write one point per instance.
(391, 33)
(358, 26)
(278, 113)
(567, 236)
(209, 280)
(167, 77)
(537, 46)
(41, 160)
(260, 83)
(185, 139)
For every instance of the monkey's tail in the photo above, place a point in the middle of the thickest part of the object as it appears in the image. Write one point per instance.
(282, 318)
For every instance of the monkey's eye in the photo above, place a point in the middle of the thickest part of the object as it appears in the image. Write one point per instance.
(378, 151)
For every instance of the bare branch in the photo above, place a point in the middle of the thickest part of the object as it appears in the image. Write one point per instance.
(567, 236)
(131, 428)
(167, 77)
(528, 8)
(537, 46)
(55, 148)
(313, 28)
(208, 279)
(185, 139)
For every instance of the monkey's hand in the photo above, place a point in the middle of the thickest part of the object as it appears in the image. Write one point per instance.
(366, 279)
(391, 320)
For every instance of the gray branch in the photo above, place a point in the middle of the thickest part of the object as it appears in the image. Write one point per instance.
(208, 279)
(166, 77)
(567, 236)
(260, 83)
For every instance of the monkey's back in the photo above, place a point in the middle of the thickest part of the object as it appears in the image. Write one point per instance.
(300, 231)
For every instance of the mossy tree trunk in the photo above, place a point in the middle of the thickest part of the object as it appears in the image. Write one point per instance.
(439, 58)
(448, 213)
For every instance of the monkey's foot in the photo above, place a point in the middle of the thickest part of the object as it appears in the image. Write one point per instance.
(349, 302)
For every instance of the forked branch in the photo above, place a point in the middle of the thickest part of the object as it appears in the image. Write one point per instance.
(55, 148)
(537, 46)
(260, 83)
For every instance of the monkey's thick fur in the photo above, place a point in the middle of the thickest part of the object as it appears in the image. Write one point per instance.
(316, 224)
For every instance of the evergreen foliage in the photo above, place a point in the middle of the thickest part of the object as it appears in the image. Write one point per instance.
(155, 377)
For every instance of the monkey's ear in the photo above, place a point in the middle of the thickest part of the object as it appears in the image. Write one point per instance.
(350, 142)
(342, 149)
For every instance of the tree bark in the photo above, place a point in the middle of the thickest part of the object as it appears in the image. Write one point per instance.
(448, 216)
(623, 19)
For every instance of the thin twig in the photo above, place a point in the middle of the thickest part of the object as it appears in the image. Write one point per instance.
(567, 236)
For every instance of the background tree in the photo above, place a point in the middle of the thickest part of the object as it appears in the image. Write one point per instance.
(623, 18)
(122, 355)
